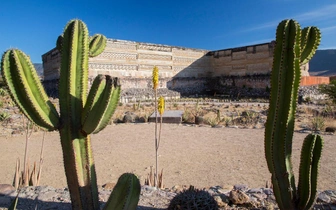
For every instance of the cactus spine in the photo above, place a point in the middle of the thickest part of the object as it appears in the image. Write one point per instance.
(293, 48)
(80, 114)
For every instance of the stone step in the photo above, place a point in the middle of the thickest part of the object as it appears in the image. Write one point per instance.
(170, 116)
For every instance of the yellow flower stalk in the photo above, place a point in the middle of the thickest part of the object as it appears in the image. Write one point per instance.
(161, 105)
(155, 77)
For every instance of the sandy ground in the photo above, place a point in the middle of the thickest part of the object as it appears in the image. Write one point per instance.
(199, 156)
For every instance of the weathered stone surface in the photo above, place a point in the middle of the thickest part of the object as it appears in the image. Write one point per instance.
(199, 120)
(220, 201)
(6, 189)
(150, 197)
(238, 197)
(330, 129)
(109, 186)
(323, 197)
(240, 187)
(129, 117)
(170, 116)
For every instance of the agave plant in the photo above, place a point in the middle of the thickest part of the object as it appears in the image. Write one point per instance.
(80, 113)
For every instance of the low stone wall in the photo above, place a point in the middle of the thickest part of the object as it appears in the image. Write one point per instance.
(229, 87)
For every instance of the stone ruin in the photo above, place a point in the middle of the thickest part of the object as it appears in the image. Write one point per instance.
(235, 72)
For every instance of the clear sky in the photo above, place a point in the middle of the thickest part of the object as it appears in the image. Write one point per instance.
(34, 25)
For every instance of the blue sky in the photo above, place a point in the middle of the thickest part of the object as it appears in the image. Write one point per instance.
(33, 26)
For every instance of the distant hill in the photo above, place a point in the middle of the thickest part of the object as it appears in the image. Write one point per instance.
(323, 63)
(39, 68)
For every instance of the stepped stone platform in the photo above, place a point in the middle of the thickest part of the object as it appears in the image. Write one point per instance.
(171, 116)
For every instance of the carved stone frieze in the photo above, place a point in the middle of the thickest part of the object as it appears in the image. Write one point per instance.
(188, 53)
(184, 60)
(150, 67)
(121, 45)
(104, 66)
(152, 47)
(154, 57)
(118, 56)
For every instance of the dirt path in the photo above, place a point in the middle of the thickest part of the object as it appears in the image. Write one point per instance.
(201, 156)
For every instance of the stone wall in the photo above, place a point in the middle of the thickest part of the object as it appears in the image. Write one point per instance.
(184, 70)
(243, 61)
(127, 59)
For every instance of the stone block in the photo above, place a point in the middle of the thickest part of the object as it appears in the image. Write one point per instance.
(170, 116)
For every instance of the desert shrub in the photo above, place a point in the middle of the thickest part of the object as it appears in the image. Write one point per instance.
(227, 121)
(329, 90)
(3, 92)
(4, 116)
(212, 121)
(317, 123)
(328, 111)
(188, 117)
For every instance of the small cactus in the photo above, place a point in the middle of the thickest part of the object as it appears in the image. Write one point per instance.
(125, 194)
(191, 199)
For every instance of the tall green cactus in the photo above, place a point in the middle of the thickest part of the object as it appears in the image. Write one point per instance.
(80, 113)
(293, 48)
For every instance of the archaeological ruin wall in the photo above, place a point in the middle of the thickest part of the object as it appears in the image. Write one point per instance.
(184, 71)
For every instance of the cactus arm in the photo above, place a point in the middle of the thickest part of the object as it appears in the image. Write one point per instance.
(309, 164)
(59, 43)
(125, 195)
(97, 103)
(27, 90)
(113, 101)
(311, 38)
(97, 44)
(99, 110)
(96, 90)
(304, 185)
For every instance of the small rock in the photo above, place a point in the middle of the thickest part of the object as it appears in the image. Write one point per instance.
(47, 196)
(16, 132)
(219, 201)
(255, 190)
(177, 188)
(238, 197)
(268, 191)
(260, 196)
(150, 188)
(108, 186)
(6, 189)
(330, 129)
(129, 117)
(43, 189)
(323, 197)
(143, 120)
(241, 187)
(199, 120)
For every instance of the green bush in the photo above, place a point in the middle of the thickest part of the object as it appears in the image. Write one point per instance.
(329, 90)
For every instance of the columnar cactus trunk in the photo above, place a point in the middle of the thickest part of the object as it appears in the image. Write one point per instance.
(80, 113)
(293, 48)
